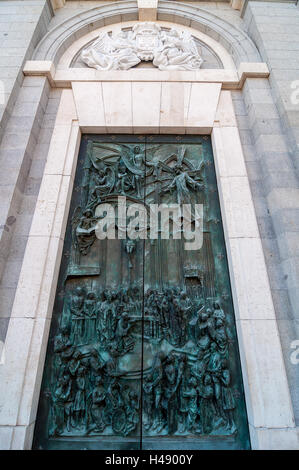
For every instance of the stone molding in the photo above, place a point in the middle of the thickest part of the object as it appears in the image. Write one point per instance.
(63, 78)
(56, 4)
(147, 10)
(63, 35)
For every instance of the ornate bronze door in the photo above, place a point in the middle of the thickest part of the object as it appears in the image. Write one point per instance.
(143, 350)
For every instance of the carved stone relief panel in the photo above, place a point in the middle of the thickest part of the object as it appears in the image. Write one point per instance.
(145, 42)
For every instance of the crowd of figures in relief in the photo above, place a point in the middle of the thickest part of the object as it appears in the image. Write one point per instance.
(98, 385)
(186, 389)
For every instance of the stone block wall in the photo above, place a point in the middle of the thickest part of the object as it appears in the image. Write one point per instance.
(275, 30)
(29, 165)
(22, 25)
(22, 107)
(263, 166)
(273, 123)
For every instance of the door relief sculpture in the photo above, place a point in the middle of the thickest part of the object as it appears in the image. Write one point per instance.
(143, 349)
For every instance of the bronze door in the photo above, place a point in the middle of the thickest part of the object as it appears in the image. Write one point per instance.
(143, 350)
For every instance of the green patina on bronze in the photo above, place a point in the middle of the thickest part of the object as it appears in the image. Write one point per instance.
(143, 349)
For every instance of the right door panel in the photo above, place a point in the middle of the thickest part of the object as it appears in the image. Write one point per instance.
(192, 391)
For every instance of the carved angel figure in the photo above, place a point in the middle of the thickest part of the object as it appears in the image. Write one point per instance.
(178, 52)
(115, 52)
(183, 179)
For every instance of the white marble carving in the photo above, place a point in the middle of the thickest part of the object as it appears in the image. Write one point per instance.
(111, 53)
(168, 50)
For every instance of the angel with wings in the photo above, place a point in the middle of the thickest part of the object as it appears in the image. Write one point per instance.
(102, 183)
(178, 52)
(183, 179)
(116, 52)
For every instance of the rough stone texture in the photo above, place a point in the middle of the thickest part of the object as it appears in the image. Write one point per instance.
(73, 8)
(273, 117)
(270, 168)
(22, 25)
(15, 153)
(32, 162)
(275, 30)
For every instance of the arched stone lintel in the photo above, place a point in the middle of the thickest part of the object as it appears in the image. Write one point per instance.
(235, 41)
(73, 51)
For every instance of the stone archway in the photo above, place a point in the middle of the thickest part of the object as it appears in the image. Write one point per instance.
(234, 40)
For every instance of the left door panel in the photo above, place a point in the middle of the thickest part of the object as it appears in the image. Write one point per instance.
(90, 395)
